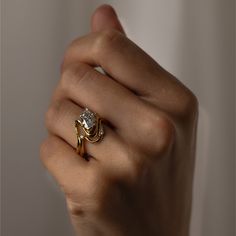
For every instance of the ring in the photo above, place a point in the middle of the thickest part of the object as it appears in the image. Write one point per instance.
(88, 127)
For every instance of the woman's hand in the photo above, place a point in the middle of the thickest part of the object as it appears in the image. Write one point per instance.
(138, 180)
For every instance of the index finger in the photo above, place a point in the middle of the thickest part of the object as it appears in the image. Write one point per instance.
(118, 56)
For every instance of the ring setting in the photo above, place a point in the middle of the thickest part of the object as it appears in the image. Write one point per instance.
(88, 127)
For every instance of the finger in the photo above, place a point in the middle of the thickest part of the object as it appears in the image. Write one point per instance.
(63, 163)
(132, 118)
(149, 124)
(119, 57)
(60, 122)
(88, 88)
(105, 17)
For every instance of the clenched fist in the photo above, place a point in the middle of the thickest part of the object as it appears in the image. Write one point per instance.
(138, 179)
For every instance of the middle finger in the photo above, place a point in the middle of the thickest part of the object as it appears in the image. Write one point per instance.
(87, 87)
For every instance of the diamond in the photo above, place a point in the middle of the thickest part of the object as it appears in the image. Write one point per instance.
(88, 119)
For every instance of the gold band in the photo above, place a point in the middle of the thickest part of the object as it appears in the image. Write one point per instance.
(88, 127)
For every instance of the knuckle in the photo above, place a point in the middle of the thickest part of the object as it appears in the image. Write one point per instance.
(105, 40)
(76, 209)
(51, 115)
(166, 134)
(161, 132)
(74, 77)
(78, 200)
(188, 106)
(90, 192)
(70, 52)
(68, 78)
(57, 112)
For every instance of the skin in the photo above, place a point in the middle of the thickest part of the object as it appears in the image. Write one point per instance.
(138, 179)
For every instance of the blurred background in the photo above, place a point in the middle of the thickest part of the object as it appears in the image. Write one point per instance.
(194, 40)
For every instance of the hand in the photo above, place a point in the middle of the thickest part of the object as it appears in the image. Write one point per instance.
(138, 180)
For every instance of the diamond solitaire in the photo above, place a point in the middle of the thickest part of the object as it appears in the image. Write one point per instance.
(88, 119)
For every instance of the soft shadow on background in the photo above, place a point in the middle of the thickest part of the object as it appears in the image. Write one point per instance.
(194, 40)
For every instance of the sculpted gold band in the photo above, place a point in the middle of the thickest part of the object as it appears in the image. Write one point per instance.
(88, 127)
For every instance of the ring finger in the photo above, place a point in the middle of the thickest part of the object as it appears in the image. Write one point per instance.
(60, 121)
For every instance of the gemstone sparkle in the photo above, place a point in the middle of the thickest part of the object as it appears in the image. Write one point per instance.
(88, 119)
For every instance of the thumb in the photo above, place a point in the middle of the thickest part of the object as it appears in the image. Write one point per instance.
(105, 17)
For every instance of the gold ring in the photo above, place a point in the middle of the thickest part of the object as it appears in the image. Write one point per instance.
(88, 127)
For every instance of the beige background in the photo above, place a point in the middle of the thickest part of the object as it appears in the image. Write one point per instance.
(195, 40)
